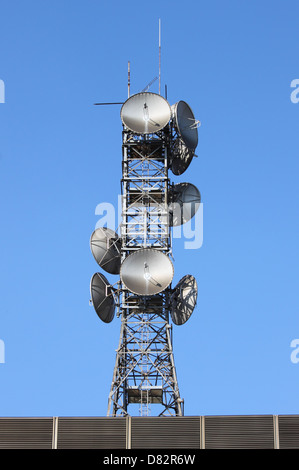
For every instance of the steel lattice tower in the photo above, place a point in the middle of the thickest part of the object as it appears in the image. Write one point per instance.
(144, 370)
(156, 138)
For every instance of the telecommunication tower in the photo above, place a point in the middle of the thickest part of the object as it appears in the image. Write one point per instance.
(156, 138)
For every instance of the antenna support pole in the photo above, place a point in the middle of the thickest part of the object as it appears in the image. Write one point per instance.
(129, 79)
(159, 56)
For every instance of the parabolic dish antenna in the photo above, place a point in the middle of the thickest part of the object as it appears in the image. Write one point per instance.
(185, 123)
(105, 246)
(183, 300)
(146, 271)
(145, 113)
(102, 298)
(181, 157)
(186, 199)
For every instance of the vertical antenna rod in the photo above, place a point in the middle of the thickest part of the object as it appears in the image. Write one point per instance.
(159, 56)
(129, 79)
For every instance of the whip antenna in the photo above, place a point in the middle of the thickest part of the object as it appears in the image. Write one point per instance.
(159, 56)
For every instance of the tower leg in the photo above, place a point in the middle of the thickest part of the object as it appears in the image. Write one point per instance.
(144, 373)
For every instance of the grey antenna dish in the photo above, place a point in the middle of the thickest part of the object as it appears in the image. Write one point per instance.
(102, 297)
(105, 246)
(186, 199)
(145, 113)
(185, 123)
(183, 300)
(181, 157)
(146, 272)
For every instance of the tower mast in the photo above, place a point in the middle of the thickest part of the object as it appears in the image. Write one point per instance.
(156, 138)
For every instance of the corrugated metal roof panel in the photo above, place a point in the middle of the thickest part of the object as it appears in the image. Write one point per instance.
(288, 431)
(91, 433)
(244, 432)
(239, 432)
(26, 433)
(165, 432)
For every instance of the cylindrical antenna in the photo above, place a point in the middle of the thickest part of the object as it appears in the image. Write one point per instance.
(129, 79)
(159, 56)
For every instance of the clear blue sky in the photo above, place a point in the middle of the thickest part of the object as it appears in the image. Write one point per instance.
(60, 156)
